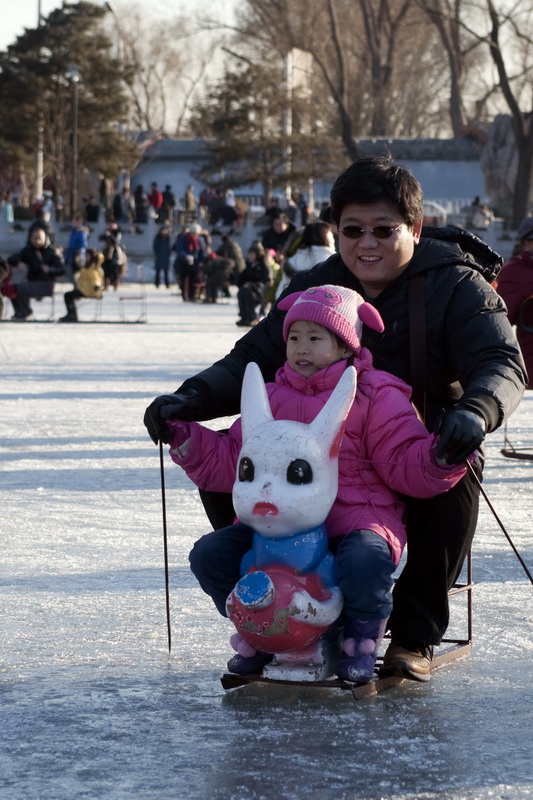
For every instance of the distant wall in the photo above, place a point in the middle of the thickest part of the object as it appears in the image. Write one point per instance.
(452, 180)
(176, 174)
(448, 169)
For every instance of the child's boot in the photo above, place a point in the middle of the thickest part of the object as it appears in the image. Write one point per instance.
(362, 638)
(253, 665)
(247, 660)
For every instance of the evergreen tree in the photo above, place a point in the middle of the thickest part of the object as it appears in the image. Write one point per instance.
(244, 118)
(35, 92)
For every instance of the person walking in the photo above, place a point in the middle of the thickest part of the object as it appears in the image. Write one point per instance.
(162, 247)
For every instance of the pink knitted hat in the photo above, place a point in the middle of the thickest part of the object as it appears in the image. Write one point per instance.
(338, 309)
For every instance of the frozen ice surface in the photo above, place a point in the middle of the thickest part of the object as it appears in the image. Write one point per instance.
(93, 706)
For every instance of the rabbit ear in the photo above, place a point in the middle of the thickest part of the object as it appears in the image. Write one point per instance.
(255, 408)
(328, 426)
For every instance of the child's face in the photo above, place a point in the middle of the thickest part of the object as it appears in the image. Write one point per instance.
(311, 347)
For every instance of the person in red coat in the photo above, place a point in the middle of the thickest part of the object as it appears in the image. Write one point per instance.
(515, 285)
(155, 198)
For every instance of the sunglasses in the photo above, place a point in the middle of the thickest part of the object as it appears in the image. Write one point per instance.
(379, 232)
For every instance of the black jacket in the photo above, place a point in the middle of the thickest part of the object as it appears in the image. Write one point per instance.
(35, 257)
(472, 353)
(256, 272)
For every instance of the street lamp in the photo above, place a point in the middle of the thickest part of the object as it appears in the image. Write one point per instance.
(74, 79)
(39, 168)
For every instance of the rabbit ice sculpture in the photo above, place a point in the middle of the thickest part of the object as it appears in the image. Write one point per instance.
(286, 483)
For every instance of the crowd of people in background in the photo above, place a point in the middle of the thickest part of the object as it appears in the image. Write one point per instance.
(32, 272)
(292, 239)
(136, 205)
(184, 253)
(204, 273)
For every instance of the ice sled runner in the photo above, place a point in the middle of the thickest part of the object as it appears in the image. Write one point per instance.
(459, 649)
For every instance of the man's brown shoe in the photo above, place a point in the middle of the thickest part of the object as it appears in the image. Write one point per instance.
(410, 659)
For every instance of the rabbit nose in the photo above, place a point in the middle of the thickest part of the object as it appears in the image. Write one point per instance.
(267, 486)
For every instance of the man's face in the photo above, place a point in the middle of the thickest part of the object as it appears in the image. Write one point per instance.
(376, 262)
(279, 225)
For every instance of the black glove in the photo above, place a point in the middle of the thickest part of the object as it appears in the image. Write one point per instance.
(461, 432)
(181, 405)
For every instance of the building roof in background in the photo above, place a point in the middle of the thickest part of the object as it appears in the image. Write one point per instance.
(172, 149)
(464, 149)
(448, 169)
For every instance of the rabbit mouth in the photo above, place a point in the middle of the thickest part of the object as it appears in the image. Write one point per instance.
(265, 510)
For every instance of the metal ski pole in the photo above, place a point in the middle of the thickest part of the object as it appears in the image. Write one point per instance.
(165, 541)
(500, 523)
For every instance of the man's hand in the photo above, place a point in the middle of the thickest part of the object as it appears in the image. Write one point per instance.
(461, 433)
(181, 405)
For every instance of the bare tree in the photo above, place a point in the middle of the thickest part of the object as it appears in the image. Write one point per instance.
(382, 23)
(376, 68)
(242, 118)
(522, 121)
(445, 15)
(165, 63)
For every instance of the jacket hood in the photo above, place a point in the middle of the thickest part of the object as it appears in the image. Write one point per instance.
(464, 248)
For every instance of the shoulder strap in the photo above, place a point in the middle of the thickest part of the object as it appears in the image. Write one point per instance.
(417, 341)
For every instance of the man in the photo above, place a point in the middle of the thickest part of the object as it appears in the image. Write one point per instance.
(92, 209)
(123, 206)
(44, 264)
(473, 372)
(279, 233)
(229, 248)
(169, 204)
(515, 285)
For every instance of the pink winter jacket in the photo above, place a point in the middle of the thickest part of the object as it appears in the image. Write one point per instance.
(386, 450)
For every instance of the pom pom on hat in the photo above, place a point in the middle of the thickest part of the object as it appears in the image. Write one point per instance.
(337, 308)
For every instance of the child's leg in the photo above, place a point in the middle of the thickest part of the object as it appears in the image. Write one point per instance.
(364, 571)
(215, 561)
(216, 558)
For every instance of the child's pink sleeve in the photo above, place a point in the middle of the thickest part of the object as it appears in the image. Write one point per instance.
(181, 434)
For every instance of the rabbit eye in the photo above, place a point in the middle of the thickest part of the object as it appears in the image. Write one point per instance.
(246, 469)
(299, 471)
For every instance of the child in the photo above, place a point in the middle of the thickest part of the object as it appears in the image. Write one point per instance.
(386, 451)
(89, 283)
